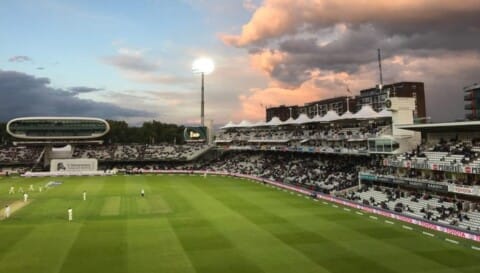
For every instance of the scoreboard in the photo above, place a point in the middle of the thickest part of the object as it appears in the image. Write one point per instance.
(195, 134)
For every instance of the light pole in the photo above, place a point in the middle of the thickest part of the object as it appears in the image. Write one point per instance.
(203, 66)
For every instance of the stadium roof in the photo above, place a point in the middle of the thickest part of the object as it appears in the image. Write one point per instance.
(229, 125)
(347, 115)
(274, 122)
(460, 126)
(244, 123)
(366, 112)
(303, 119)
(385, 113)
(330, 116)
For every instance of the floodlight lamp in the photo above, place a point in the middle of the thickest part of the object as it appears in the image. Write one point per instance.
(203, 65)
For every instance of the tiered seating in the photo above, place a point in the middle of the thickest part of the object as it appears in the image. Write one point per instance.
(16, 155)
(417, 205)
(140, 152)
(327, 173)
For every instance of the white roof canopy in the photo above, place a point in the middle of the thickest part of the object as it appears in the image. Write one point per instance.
(275, 121)
(330, 116)
(303, 119)
(366, 112)
(385, 113)
(259, 124)
(244, 123)
(347, 115)
(229, 125)
(289, 121)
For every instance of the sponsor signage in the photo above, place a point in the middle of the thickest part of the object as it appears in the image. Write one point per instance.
(407, 182)
(464, 190)
(73, 165)
(447, 167)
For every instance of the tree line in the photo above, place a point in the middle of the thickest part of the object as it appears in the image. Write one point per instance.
(151, 132)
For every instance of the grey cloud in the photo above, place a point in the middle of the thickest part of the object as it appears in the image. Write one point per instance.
(83, 89)
(25, 95)
(19, 59)
(357, 46)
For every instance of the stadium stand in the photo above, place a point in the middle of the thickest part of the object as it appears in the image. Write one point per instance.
(445, 210)
(140, 152)
(19, 155)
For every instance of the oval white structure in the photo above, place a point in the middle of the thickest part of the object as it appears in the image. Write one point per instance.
(51, 128)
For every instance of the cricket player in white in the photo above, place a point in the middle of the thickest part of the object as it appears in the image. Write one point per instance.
(70, 214)
(40, 188)
(84, 195)
(25, 197)
(205, 174)
(142, 193)
(31, 188)
(7, 211)
(12, 190)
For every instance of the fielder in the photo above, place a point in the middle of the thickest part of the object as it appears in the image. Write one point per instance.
(70, 214)
(40, 189)
(84, 195)
(7, 211)
(25, 197)
(205, 175)
(12, 190)
(31, 188)
(142, 193)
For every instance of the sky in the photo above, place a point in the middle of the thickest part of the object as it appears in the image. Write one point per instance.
(131, 60)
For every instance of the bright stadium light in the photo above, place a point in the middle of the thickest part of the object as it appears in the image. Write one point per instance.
(204, 66)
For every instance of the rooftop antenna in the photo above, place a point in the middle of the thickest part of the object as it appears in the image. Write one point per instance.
(348, 98)
(380, 67)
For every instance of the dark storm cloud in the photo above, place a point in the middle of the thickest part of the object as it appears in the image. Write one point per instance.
(325, 35)
(357, 46)
(19, 59)
(25, 95)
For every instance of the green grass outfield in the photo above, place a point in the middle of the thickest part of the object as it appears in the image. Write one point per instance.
(213, 225)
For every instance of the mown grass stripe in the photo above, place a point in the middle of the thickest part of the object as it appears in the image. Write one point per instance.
(451, 241)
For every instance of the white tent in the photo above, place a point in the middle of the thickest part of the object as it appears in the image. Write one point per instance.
(385, 113)
(330, 116)
(229, 125)
(366, 112)
(259, 124)
(244, 123)
(347, 115)
(303, 119)
(316, 118)
(289, 121)
(274, 122)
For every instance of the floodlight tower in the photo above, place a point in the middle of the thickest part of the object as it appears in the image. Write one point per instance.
(203, 66)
